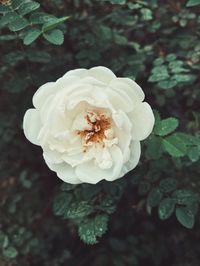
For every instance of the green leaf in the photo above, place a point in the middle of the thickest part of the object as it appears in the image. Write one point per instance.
(154, 197)
(8, 18)
(159, 73)
(55, 37)
(78, 210)
(185, 217)
(167, 185)
(166, 208)
(157, 77)
(189, 139)
(146, 14)
(193, 207)
(175, 64)
(154, 147)
(177, 67)
(184, 77)
(53, 23)
(193, 3)
(17, 3)
(93, 228)
(166, 126)
(159, 61)
(179, 70)
(18, 24)
(193, 154)
(167, 84)
(174, 145)
(28, 7)
(41, 18)
(185, 196)
(10, 252)
(61, 203)
(31, 36)
(4, 9)
(170, 57)
(160, 70)
(117, 2)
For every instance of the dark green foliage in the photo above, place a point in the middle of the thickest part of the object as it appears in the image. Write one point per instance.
(22, 15)
(166, 208)
(92, 228)
(54, 36)
(193, 3)
(185, 217)
(149, 217)
(154, 197)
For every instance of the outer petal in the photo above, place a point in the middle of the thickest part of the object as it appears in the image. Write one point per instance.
(80, 72)
(117, 157)
(65, 83)
(90, 173)
(134, 96)
(32, 125)
(134, 157)
(123, 133)
(102, 74)
(142, 119)
(42, 93)
(131, 84)
(64, 172)
(120, 101)
(91, 95)
(52, 157)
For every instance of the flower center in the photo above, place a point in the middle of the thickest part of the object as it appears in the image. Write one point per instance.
(99, 128)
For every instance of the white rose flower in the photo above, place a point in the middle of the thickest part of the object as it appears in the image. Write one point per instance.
(89, 124)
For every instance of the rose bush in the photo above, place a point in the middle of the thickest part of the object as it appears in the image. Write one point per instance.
(89, 124)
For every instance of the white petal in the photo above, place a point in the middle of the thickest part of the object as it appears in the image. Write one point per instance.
(142, 119)
(74, 160)
(80, 72)
(126, 92)
(80, 122)
(62, 86)
(123, 134)
(64, 172)
(90, 173)
(102, 157)
(135, 149)
(42, 93)
(67, 83)
(119, 100)
(74, 154)
(52, 156)
(32, 125)
(130, 87)
(90, 94)
(102, 73)
(46, 110)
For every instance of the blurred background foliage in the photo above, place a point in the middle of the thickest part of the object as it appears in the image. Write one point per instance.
(149, 217)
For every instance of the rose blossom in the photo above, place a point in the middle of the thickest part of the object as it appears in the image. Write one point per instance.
(89, 124)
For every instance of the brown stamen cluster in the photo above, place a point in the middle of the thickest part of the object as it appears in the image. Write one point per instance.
(98, 123)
